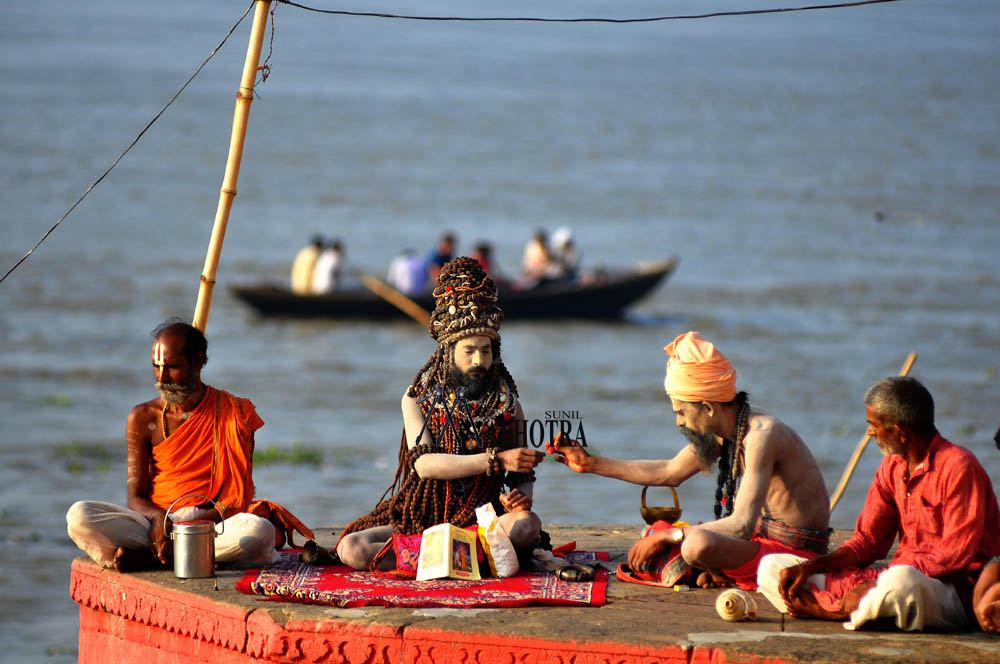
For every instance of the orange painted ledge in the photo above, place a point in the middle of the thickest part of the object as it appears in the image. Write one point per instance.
(129, 618)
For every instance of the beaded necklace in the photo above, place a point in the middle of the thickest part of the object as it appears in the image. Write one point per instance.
(421, 503)
(732, 463)
(738, 461)
(163, 420)
(498, 403)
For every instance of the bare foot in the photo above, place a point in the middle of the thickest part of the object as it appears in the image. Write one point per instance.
(854, 595)
(713, 580)
(804, 605)
(134, 560)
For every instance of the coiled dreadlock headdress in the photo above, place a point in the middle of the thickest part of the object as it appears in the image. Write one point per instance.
(465, 303)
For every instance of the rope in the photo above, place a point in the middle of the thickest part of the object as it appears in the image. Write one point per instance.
(747, 12)
(131, 145)
(265, 68)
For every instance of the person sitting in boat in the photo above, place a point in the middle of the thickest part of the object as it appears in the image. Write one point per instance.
(302, 266)
(483, 253)
(443, 252)
(769, 485)
(935, 495)
(408, 273)
(331, 268)
(536, 259)
(564, 259)
(464, 457)
(193, 439)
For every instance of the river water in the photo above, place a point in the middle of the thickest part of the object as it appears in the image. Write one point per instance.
(830, 180)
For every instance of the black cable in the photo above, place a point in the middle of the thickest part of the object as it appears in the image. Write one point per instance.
(418, 18)
(746, 12)
(132, 144)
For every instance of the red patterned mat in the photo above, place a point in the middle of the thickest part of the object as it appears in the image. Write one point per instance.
(291, 581)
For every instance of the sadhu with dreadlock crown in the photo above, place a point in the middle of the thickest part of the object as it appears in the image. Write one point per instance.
(459, 462)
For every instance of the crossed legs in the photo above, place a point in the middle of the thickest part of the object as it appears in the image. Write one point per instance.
(115, 536)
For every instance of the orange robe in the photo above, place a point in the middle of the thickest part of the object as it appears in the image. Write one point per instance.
(218, 433)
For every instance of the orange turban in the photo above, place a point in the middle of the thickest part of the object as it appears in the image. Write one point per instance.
(697, 372)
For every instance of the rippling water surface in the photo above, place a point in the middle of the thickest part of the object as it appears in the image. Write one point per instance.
(830, 180)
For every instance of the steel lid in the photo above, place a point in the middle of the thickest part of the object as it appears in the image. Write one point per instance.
(199, 527)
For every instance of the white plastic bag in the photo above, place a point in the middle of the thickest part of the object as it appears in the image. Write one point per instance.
(499, 550)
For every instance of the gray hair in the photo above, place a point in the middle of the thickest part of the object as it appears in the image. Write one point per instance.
(904, 401)
(194, 345)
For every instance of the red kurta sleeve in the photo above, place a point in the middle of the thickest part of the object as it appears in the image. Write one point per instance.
(878, 522)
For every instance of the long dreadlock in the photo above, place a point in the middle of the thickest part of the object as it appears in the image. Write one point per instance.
(731, 461)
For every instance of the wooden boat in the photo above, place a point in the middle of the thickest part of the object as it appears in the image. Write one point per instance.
(599, 294)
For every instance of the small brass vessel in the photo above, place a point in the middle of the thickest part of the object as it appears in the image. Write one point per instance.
(653, 514)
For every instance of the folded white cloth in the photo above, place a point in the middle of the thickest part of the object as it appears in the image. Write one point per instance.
(913, 599)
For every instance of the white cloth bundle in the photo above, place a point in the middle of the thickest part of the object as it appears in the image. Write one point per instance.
(499, 550)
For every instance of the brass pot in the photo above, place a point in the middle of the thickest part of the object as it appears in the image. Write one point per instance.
(653, 514)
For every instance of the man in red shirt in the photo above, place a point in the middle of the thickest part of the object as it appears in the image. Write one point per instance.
(939, 499)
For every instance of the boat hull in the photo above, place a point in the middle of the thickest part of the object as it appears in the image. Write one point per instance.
(604, 295)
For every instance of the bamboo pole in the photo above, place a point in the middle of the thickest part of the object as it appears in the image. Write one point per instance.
(839, 491)
(244, 97)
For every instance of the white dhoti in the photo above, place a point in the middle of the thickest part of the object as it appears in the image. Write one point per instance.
(769, 575)
(902, 592)
(913, 599)
(99, 528)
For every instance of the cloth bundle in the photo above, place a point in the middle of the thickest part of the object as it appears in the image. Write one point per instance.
(500, 553)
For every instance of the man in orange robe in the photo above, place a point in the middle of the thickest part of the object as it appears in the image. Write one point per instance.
(187, 449)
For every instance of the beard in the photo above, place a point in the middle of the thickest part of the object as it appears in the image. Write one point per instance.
(889, 448)
(175, 393)
(476, 381)
(705, 447)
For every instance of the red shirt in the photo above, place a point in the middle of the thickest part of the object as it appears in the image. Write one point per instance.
(946, 513)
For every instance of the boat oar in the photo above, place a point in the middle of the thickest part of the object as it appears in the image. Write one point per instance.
(839, 491)
(395, 298)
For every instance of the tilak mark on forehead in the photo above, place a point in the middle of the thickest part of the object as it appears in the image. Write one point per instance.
(158, 352)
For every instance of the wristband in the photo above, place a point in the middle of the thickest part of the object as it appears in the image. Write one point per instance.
(492, 463)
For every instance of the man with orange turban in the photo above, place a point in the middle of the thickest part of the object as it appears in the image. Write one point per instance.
(769, 484)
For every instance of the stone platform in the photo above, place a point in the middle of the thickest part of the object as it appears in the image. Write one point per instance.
(154, 618)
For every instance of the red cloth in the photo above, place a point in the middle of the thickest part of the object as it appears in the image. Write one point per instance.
(946, 513)
(745, 575)
(285, 523)
(407, 551)
(668, 568)
(338, 585)
(182, 464)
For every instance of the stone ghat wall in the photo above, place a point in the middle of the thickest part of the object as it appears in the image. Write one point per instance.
(126, 618)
